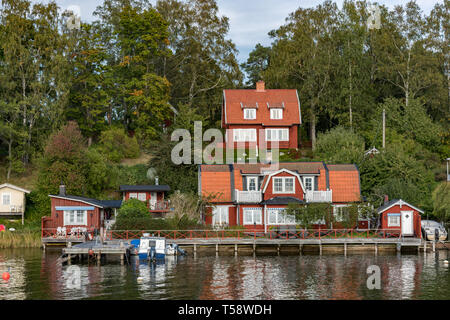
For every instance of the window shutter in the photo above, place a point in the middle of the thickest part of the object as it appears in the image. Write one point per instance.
(316, 183)
(244, 183)
(260, 180)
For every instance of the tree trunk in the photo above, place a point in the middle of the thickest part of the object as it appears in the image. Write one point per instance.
(313, 128)
(89, 141)
(8, 174)
(350, 97)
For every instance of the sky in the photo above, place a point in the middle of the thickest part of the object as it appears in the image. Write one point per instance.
(250, 20)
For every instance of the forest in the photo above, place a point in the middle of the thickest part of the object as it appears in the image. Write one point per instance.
(77, 104)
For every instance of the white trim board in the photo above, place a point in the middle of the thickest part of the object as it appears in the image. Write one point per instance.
(401, 203)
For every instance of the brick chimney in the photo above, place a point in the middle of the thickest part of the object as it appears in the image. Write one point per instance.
(260, 86)
(386, 198)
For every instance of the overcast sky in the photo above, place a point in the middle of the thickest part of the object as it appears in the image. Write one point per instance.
(250, 20)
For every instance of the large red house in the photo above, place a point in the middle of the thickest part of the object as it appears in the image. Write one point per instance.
(255, 195)
(274, 111)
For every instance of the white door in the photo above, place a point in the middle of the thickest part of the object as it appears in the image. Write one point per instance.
(153, 200)
(407, 223)
(220, 215)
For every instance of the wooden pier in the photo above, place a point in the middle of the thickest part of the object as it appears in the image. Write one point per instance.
(97, 250)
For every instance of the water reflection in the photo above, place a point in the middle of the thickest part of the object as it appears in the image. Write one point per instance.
(35, 275)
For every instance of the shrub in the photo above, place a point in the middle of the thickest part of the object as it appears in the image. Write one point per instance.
(116, 145)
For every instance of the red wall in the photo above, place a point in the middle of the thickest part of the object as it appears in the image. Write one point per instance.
(397, 209)
(92, 222)
(291, 144)
(159, 195)
(298, 189)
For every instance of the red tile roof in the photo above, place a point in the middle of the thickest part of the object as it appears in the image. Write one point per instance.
(216, 182)
(345, 182)
(234, 99)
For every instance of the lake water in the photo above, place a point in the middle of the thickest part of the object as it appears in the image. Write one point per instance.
(37, 275)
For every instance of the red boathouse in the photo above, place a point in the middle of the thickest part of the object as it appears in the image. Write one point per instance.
(400, 215)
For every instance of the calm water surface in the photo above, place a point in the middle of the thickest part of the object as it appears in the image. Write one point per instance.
(37, 275)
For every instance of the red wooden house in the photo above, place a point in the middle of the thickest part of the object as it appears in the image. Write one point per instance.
(256, 195)
(400, 215)
(152, 195)
(71, 212)
(274, 111)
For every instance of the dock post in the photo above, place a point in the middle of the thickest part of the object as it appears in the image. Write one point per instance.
(300, 249)
(122, 258)
(434, 246)
(217, 247)
(254, 247)
(69, 244)
(195, 248)
(376, 248)
(235, 249)
(69, 259)
(345, 248)
(278, 249)
(425, 246)
(320, 247)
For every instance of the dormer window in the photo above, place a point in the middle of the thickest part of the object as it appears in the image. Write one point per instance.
(276, 113)
(249, 113)
(252, 184)
(309, 183)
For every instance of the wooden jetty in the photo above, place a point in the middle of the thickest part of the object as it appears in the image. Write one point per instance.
(97, 250)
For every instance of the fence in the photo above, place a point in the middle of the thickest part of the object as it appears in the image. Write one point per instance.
(232, 234)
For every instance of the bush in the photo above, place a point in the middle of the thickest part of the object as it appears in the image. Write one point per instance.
(116, 145)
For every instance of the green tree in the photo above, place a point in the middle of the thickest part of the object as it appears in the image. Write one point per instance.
(257, 62)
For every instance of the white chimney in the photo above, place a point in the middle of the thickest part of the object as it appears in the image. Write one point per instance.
(156, 180)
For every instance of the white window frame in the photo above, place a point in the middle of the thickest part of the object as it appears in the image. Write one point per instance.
(218, 215)
(9, 198)
(273, 134)
(71, 218)
(337, 211)
(244, 135)
(249, 113)
(312, 183)
(252, 216)
(140, 194)
(280, 217)
(393, 215)
(252, 178)
(133, 195)
(283, 185)
(276, 113)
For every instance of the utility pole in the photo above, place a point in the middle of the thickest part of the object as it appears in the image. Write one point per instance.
(384, 128)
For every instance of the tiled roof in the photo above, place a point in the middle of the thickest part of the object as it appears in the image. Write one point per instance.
(282, 200)
(345, 183)
(216, 182)
(300, 167)
(233, 98)
(95, 202)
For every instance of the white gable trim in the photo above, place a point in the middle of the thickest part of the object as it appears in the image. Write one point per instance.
(280, 171)
(14, 187)
(401, 203)
(299, 110)
(64, 198)
(225, 106)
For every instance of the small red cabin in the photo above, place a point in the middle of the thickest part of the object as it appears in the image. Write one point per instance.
(152, 195)
(400, 215)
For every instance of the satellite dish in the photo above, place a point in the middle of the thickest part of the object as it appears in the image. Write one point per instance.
(151, 173)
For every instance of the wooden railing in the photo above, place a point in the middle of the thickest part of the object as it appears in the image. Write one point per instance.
(319, 196)
(159, 205)
(248, 196)
(234, 234)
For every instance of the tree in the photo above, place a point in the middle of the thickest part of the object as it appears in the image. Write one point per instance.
(340, 145)
(257, 62)
(441, 202)
(116, 145)
(310, 214)
(202, 61)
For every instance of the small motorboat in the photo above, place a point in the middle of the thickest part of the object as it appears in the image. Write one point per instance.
(155, 248)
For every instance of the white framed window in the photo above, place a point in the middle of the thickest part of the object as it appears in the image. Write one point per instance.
(133, 195)
(283, 185)
(243, 135)
(249, 114)
(252, 216)
(252, 184)
(393, 220)
(277, 134)
(338, 212)
(309, 183)
(276, 113)
(142, 196)
(220, 215)
(75, 217)
(279, 216)
(6, 199)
